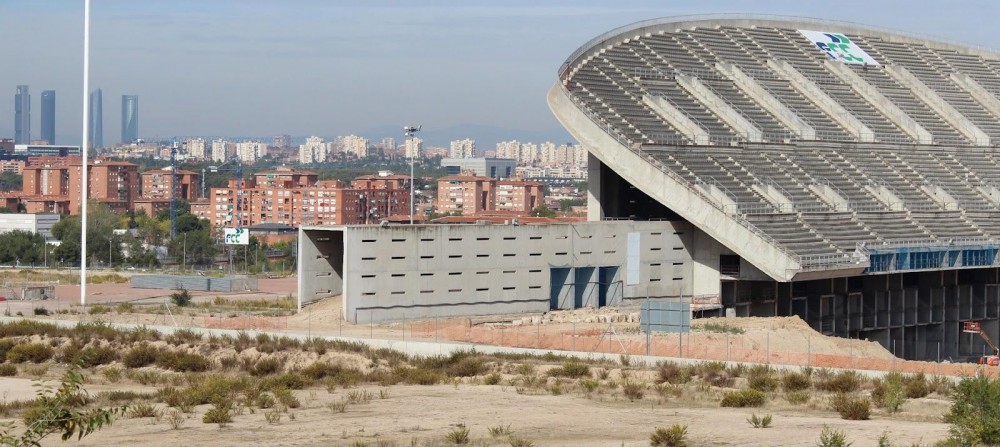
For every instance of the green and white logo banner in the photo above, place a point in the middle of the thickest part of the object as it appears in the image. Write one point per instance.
(838, 47)
(237, 236)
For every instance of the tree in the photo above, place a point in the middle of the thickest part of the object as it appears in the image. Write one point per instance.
(61, 410)
(975, 412)
(102, 244)
(542, 211)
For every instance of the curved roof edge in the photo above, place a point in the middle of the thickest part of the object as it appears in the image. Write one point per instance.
(685, 21)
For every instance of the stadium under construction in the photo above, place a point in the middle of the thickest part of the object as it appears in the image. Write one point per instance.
(776, 166)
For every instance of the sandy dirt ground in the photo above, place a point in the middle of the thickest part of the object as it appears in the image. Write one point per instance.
(426, 414)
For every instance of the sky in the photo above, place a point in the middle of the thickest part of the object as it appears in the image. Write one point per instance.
(301, 67)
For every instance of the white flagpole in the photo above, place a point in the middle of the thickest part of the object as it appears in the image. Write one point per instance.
(83, 152)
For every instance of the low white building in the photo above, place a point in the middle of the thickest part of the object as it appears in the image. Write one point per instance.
(34, 223)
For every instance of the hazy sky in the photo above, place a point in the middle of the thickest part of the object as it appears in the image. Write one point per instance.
(259, 68)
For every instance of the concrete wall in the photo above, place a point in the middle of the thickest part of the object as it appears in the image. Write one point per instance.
(396, 272)
(32, 223)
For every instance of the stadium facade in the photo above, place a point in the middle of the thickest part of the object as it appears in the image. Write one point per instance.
(838, 172)
(855, 167)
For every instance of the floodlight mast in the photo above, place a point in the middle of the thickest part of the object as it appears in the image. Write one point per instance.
(410, 132)
(83, 153)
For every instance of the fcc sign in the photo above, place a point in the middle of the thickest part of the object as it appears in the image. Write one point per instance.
(237, 236)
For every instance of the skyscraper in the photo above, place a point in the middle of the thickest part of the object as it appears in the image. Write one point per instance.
(49, 116)
(130, 118)
(22, 115)
(96, 124)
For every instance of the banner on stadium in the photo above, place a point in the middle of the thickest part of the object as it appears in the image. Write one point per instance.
(237, 236)
(838, 47)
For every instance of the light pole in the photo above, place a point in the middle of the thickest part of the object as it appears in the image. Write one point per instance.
(410, 131)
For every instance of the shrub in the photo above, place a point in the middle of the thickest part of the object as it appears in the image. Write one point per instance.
(492, 379)
(40, 311)
(888, 392)
(916, 387)
(143, 410)
(468, 367)
(500, 431)
(760, 421)
(96, 356)
(520, 442)
(571, 369)
(459, 435)
(743, 398)
(176, 418)
(140, 355)
(267, 366)
(6, 345)
(674, 436)
(975, 411)
(633, 390)
(722, 328)
(8, 370)
(850, 408)
(832, 438)
(843, 382)
(339, 406)
(180, 298)
(797, 397)
(218, 415)
(589, 385)
(795, 381)
(672, 373)
(30, 352)
(765, 383)
(182, 361)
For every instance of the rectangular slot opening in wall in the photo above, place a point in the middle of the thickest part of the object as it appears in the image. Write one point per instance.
(454, 290)
(534, 254)
(654, 248)
(482, 256)
(454, 239)
(367, 293)
(509, 254)
(678, 233)
(485, 272)
(678, 263)
(678, 279)
(510, 271)
(678, 248)
(398, 275)
(654, 279)
(398, 257)
(399, 240)
(428, 239)
(426, 274)
(509, 288)
(657, 233)
(454, 273)
(454, 256)
(482, 289)
(585, 252)
(398, 293)
(560, 253)
(368, 240)
(534, 238)
(426, 256)
(534, 287)
(654, 264)
(609, 252)
(535, 271)
(509, 238)
(367, 276)
(482, 238)
(426, 291)
(368, 258)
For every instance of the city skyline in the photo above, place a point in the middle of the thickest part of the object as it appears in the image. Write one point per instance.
(368, 70)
